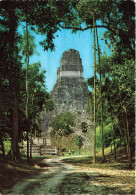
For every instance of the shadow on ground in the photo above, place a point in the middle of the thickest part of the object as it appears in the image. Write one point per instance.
(82, 183)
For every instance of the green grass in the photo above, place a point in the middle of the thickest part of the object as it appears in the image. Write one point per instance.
(87, 161)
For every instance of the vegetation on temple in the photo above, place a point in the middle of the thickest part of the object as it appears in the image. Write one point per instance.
(63, 124)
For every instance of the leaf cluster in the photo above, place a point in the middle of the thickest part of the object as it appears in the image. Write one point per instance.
(63, 124)
(84, 127)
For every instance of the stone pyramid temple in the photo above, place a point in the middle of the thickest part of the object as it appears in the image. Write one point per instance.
(70, 93)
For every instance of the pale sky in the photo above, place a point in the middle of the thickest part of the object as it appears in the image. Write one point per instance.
(81, 41)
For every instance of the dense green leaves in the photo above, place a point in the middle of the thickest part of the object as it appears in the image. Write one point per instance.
(63, 124)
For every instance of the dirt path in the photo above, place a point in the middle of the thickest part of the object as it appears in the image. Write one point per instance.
(59, 178)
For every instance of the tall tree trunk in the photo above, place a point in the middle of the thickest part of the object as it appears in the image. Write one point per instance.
(113, 137)
(111, 148)
(94, 45)
(27, 137)
(27, 93)
(115, 155)
(15, 153)
(120, 137)
(102, 137)
(31, 141)
(31, 131)
(15, 130)
(103, 156)
(128, 138)
(110, 135)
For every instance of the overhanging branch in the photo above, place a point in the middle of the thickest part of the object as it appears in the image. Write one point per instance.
(82, 29)
(108, 27)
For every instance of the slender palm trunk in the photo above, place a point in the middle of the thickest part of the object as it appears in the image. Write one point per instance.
(103, 156)
(27, 93)
(27, 114)
(31, 131)
(102, 136)
(94, 45)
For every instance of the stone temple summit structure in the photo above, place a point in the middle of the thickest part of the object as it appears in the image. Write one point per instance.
(70, 93)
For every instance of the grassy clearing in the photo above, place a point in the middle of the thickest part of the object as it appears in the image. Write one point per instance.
(120, 163)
